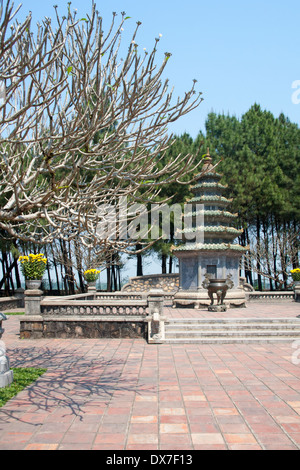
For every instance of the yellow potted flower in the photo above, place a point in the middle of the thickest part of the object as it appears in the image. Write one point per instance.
(91, 275)
(33, 268)
(296, 276)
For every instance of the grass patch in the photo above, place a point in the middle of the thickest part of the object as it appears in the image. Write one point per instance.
(22, 378)
(14, 313)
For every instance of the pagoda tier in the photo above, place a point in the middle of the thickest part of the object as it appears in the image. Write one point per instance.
(212, 216)
(208, 185)
(211, 233)
(211, 199)
(208, 245)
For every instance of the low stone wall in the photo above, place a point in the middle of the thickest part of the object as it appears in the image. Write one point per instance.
(169, 283)
(91, 315)
(9, 303)
(270, 296)
(72, 327)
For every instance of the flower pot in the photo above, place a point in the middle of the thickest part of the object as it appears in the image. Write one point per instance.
(33, 283)
(296, 285)
(91, 285)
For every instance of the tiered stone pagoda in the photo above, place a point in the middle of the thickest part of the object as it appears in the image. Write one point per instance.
(216, 253)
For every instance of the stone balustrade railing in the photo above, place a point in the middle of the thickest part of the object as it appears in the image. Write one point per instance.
(270, 296)
(95, 303)
(94, 307)
(94, 295)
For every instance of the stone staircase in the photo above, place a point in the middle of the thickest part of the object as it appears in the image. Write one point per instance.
(245, 330)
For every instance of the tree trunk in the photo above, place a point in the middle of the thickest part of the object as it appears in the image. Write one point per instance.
(3, 280)
(17, 276)
(48, 271)
(164, 264)
(274, 248)
(69, 279)
(296, 246)
(170, 264)
(266, 242)
(7, 271)
(55, 268)
(258, 254)
(283, 257)
(108, 277)
(70, 271)
(248, 270)
(139, 265)
(119, 277)
(16, 268)
(79, 266)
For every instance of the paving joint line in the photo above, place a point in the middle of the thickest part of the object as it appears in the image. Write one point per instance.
(184, 404)
(263, 406)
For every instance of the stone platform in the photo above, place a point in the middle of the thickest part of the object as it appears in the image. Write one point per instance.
(280, 309)
(235, 298)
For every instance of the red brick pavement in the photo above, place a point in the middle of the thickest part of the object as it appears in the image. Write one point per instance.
(129, 395)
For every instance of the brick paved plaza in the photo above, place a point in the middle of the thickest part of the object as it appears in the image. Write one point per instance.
(130, 395)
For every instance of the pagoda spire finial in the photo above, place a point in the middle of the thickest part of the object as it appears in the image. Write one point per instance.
(208, 154)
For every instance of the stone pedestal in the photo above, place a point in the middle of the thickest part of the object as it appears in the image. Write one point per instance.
(92, 286)
(6, 375)
(217, 308)
(297, 293)
(33, 299)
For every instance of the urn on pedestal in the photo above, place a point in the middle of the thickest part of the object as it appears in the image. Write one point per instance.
(220, 288)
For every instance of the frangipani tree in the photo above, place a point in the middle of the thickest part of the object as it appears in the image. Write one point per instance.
(80, 126)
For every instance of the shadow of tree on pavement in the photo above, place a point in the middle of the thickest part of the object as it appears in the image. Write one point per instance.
(72, 381)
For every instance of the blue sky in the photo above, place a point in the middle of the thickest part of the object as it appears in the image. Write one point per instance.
(240, 51)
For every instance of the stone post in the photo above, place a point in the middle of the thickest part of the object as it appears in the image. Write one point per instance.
(155, 319)
(297, 293)
(156, 301)
(19, 293)
(33, 299)
(6, 375)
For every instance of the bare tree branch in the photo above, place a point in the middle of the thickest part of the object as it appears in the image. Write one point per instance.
(81, 126)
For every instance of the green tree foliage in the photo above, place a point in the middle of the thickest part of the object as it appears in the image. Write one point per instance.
(260, 160)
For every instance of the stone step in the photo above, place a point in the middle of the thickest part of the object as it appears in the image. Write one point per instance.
(220, 321)
(233, 326)
(253, 339)
(231, 330)
(233, 333)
